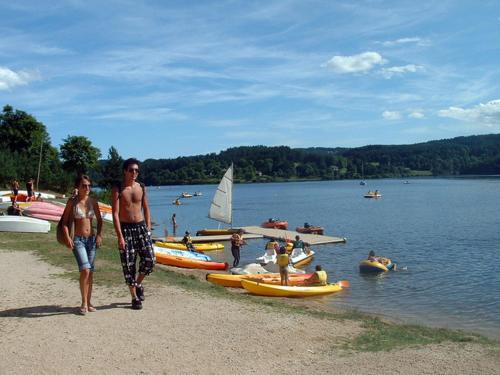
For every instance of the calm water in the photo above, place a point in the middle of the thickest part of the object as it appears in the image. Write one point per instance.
(445, 231)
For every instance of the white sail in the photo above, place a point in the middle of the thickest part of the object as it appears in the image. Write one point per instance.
(222, 205)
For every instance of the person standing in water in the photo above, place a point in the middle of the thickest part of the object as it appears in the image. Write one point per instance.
(174, 223)
(132, 222)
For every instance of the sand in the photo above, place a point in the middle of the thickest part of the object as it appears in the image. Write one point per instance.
(181, 332)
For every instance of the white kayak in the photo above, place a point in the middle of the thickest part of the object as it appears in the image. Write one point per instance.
(23, 224)
(43, 195)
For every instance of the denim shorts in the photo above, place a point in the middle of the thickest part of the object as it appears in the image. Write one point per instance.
(84, 251)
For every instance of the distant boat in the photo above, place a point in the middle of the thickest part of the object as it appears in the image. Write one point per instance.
(186, 195)
(198, 194)
(373, 194)
(275, 223)
(406, 182)
(362, 182)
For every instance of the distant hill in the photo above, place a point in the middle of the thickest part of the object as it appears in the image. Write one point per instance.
(479, 155)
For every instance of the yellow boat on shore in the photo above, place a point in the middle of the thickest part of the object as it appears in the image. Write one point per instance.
(197, 246)
(234, 281)
(269, 290)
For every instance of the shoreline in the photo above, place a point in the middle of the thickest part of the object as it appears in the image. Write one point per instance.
(225, 335)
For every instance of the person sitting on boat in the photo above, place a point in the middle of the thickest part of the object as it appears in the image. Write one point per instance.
(298, 243)
(39, 198)
(186, 240)
(14, 210)
(382, 260)
(317, 278)
(307, 225)
(283, 261)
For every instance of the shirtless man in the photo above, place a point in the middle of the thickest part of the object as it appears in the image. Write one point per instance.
(132, 222)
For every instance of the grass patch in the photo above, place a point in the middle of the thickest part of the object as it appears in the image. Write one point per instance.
(377, 335)
(383, 336)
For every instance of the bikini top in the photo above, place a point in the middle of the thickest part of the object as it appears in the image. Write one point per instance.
(80, 214)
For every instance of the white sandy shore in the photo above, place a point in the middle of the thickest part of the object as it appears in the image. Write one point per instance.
(179, 332)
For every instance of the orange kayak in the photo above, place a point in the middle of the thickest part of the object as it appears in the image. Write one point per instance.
(183, 262)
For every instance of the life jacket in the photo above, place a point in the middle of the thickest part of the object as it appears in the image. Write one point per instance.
(322, 277)
(283, 260)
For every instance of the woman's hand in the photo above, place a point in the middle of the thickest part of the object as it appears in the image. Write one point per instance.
(69, 243)
(98, 241)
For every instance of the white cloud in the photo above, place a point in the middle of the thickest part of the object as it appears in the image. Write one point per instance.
(362, 62)
(400, 70)
(418, 41)
(10, 79)
(391, 115)
(416, 115)
(487, 114)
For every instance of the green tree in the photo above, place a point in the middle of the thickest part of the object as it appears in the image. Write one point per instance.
(79, 155)
(112, 169)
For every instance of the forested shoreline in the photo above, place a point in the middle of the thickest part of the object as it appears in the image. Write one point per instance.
(24, 142)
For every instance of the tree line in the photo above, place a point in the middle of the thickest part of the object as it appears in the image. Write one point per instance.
(25, 142)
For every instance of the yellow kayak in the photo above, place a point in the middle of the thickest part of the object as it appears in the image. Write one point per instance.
(270, 290)
(234, 281)
(197, 246)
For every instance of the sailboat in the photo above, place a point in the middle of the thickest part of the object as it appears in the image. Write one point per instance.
(362, 182)
(221, 208)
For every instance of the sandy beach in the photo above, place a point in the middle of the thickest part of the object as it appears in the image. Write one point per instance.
(181, 332)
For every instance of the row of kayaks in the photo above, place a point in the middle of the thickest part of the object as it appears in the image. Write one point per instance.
(270, 284)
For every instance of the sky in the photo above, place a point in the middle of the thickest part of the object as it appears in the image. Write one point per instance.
(162, 79)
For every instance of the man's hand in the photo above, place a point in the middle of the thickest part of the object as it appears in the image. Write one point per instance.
(121, 244)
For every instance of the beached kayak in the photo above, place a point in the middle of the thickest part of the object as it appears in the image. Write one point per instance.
(182, 253)
(234, 281)
(43, 210)
(373, 266)
(23, 224)
(269, 290)
(197, 246)
(183, 262)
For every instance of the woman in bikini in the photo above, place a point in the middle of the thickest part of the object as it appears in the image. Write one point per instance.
(84, 242)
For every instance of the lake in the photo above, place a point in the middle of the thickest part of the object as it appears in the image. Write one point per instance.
(446, 232)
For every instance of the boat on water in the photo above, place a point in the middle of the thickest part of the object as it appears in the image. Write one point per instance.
(298, 257)
(197, 194)
(373, 194)
(275, 224)
(363, 183)
(186, 195)
(234, 281)
(221, 207)
(217, 232)
(383, 265)
(270, 290)
(310, 229)
(23, 224)
(177, 202)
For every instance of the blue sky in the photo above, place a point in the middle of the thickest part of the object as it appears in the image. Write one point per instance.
(161, 79)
